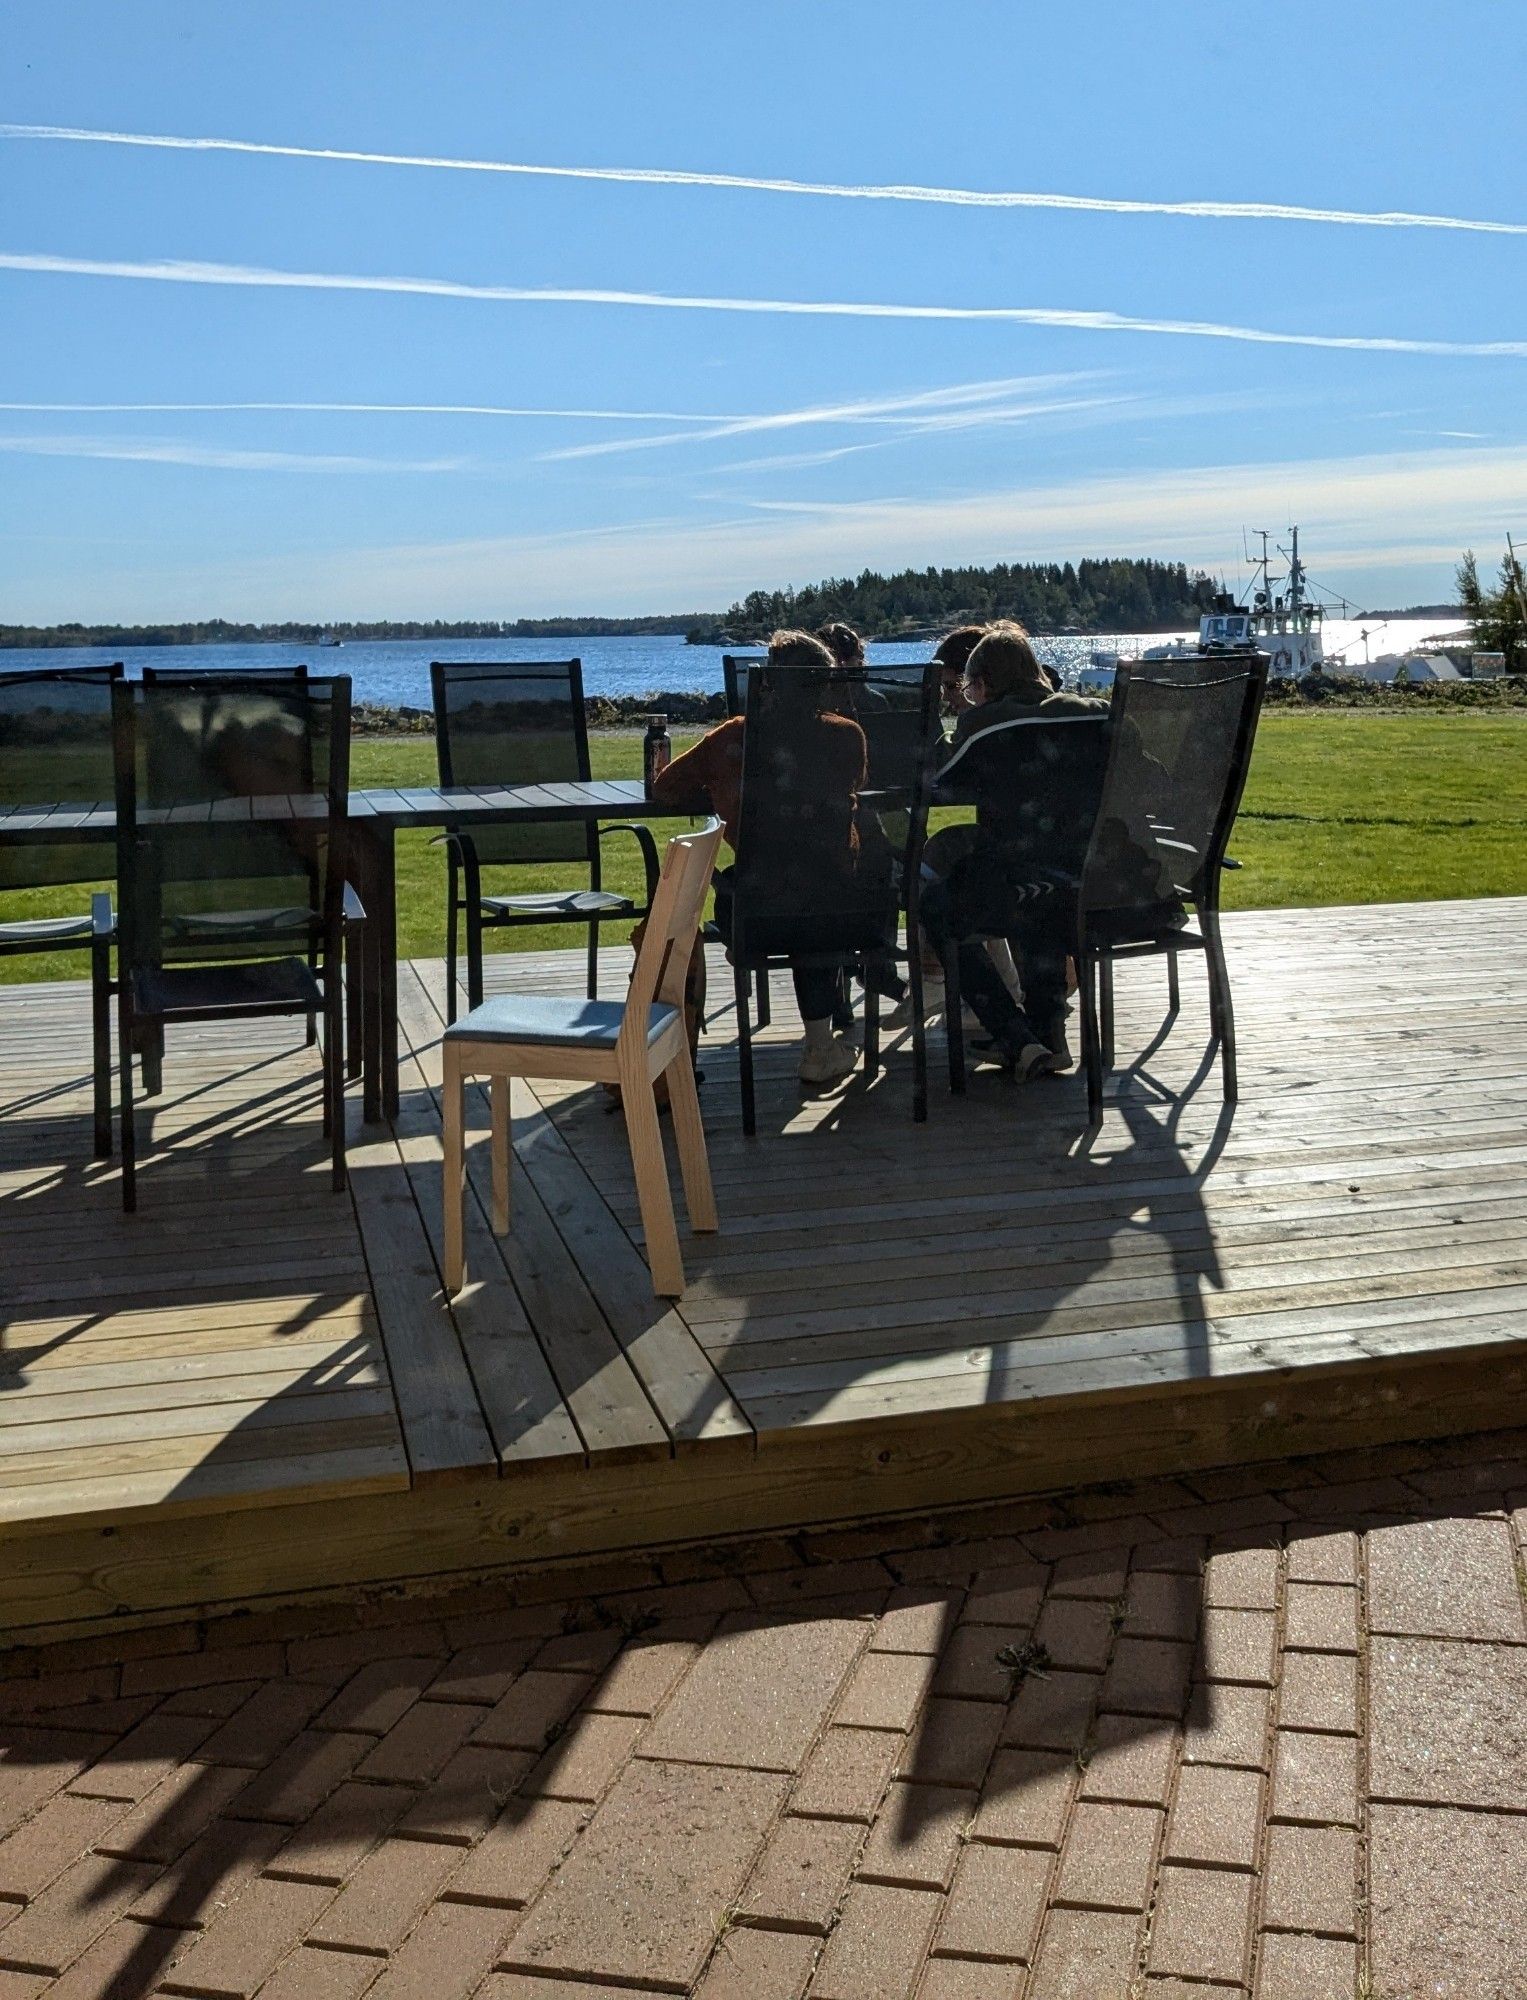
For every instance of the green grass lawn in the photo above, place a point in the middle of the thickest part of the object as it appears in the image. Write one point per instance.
(1359, 807)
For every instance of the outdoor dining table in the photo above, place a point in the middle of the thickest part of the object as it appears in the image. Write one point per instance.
(376, 816)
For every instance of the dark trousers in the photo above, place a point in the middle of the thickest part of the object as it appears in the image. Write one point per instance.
(986, 895)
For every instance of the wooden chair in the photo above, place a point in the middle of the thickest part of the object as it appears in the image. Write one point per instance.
(631, 1043)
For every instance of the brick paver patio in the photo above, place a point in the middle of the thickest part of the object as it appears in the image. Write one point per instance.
(1259, 1733)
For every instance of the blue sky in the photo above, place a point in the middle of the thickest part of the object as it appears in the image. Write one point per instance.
(766, 445)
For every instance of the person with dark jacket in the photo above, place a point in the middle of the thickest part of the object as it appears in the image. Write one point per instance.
(1013, 880)
(708, 778)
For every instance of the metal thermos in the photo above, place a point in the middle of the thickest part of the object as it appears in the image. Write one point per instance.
(657, 751)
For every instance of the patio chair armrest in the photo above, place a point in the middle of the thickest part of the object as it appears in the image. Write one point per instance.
(645, 842)
(354, 910)
(1230, 861)
(103, 922)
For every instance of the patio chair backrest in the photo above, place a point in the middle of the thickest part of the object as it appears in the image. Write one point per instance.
(898, 709)
(233, 675)
(812, 871)
(55, 749)
(232, 797)
(503, 723)
(1179, 751)
(737, 672)
(668, 935)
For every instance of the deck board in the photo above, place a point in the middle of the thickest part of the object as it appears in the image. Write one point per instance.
(258, 1386)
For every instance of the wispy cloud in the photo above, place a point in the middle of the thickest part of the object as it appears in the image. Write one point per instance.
(1231, 211)
(923, 406)
(180, 272)
(159, 451)
(387, 410)
(1360, 517)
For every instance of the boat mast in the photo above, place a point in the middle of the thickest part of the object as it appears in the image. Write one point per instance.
(1295, 583)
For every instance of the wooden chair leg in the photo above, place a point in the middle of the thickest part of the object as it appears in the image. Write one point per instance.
(100, 1017)
(502, 1133)
(454, 1193)
(1173, 988)
(689, 1135)
(652, 1192)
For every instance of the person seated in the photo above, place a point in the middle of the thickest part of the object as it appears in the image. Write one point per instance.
(982, 894)
(952, 653)
(844, 643)
(708, 778)
(1005, 679)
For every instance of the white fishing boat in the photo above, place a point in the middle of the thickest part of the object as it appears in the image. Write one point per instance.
(1281, 620)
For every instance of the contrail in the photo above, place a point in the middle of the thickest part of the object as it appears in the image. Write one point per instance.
(1231, 211)
(384, 409)
(883, 410)
(179, 272)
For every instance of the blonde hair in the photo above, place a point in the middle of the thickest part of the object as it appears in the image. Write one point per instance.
(1005, 659)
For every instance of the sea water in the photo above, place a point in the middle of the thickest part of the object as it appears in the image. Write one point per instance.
(394, 673)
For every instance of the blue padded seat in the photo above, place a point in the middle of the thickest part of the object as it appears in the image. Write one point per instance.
(550, 1023)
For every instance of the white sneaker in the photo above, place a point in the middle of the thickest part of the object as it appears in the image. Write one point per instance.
(1033, 1060)
(829, 1065)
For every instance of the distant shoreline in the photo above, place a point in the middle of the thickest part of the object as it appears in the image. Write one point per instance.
(219, 632)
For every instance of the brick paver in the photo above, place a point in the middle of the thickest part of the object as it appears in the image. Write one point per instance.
(1143, 1745)
(759, 1693)
(1444, 1579)
(662, 1861)
(876, 1952)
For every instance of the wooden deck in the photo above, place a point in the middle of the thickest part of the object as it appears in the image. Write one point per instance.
(254, 1387)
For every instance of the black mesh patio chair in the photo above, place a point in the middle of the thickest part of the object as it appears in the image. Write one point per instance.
(1035, 783)
(737, 669)
(898, 709)
(354, 913)
(1179, 751)
(55, 750)
(232, 799)
(814, 883)
(736, 672)
(501, 723)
